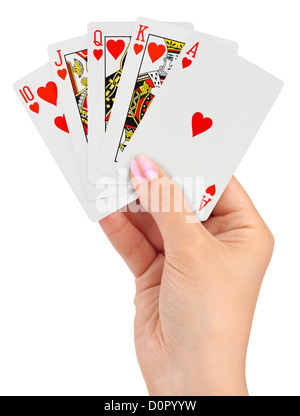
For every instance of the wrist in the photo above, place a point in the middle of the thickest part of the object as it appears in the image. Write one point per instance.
(216, 382)
(198, 388)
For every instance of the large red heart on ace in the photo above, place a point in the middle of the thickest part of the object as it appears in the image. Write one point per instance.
(48, 93)
(200, 124)
(156, 51)
(115, 47)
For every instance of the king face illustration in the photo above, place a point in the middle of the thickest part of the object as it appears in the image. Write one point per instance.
(173, 50)
(146, 88)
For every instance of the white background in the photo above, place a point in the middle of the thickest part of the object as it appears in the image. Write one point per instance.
(66, 298)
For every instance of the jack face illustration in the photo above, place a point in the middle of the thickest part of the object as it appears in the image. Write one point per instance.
(148, 84)
(77, 68)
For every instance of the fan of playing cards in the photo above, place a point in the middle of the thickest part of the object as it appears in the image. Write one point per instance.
(184, 98)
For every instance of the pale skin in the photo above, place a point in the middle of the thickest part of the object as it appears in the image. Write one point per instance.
(197, 286)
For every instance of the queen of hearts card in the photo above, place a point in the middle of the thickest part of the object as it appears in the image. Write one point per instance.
(111, 86)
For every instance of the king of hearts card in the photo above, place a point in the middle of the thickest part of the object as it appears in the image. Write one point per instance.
(149, 81)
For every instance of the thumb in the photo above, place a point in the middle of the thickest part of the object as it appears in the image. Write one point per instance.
(165, 201)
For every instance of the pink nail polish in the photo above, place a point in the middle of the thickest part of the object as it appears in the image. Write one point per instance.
(143, 169)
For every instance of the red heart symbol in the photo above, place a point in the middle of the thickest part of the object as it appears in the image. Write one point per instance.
(200, 124)
(48, 93)
(115, 47)
(98, 54)
(138, 48)
(34, 107)
(61, 123)
(62, 73)
(211, 190)
(186, 62)
(156, 51)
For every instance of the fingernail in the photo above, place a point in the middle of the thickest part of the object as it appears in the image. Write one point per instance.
(143, 169)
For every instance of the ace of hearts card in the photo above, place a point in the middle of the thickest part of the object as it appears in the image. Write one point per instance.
(210, 109)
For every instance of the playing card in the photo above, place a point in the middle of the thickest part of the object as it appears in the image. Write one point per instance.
(108, 44)
(40, 96)
(207, 114)
(151, 56)
(69, 64)
(70, 70)
(107, 48)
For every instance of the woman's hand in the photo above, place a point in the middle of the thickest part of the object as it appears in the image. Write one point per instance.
(196, 284)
